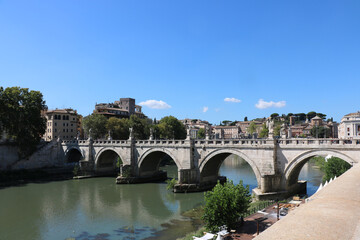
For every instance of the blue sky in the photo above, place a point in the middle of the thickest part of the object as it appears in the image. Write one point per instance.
(297, 56)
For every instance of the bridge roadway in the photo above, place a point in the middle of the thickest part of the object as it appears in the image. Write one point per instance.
(275, 162)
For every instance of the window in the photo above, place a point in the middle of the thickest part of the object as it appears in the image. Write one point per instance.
(73, 119)
(63, 124)
(55, 131)
(64, 117)
(71, 124)
(67, 117)
(55, 124)
(71, 130)
(348, 129)
(64, 130)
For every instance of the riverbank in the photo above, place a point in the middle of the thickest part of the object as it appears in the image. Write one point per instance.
(197, 213)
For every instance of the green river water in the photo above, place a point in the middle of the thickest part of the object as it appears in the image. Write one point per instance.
(99, 209)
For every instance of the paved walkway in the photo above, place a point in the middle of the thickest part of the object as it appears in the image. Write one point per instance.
(333, 213)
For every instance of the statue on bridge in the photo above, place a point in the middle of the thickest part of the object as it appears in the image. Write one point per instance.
(131, 134)
(270, 126)
(151, 134)
(283, 130)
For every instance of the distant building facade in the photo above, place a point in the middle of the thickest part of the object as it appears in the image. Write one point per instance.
(226, 132)
(349, 127)
(195, 125)
(61, 123)
(304, 129)
(119, 109)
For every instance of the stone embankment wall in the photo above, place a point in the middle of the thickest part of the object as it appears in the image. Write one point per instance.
(8, 155)
(47, 155)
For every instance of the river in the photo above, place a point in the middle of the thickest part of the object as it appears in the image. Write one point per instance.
(99, 209)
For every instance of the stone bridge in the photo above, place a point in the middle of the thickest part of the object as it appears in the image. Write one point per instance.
(275, 162)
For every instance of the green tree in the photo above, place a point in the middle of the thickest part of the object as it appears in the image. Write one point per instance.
(311, 114)
(141, 127)
(201, 133)
(245, 119)
(274, 115)
(97, 124)
(323, 116)
(170, 127)
(320, 132)
(225, 204)
(119, 128)
(334, 167)
(20, 117)
(300, 116)
(264, 131)
(252, 128)
(277, 130)
(226, 122)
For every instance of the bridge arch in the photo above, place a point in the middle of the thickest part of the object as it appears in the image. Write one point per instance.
(147, 167)
(210, 165)
(293, 169)
(106, 159)
(73, 154)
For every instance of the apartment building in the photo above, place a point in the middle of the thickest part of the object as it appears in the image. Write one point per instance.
(61, 123)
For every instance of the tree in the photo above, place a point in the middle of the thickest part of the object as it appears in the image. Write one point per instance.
(264, 131)
(334, 167)
(320, 132)
(274, 115)
(311, 114)
(20, 117)
(277, 130)
(119, 128)
(141, 127)
(300, 116)
(201, 133)
(225, 204)
(252, 128)
(322, 116)
(226, 122)
(97, 124)
(170, 127)
(245, 119)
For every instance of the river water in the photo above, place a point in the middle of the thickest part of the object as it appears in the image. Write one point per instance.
(99, 209)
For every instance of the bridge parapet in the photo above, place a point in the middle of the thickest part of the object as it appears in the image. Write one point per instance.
(235, 142)
(161, 142)
(322, 142)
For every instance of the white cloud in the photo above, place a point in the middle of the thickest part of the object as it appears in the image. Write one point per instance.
(234, 100)
(217, 109)
(205, 109)
(155, 104)
(263, 104)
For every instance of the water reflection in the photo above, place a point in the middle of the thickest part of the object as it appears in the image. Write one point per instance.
(235, 168)
(313, 175)
(84, 208)
(99, 209)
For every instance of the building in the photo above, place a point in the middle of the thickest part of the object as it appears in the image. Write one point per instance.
(61, 123)
(195, 125)
(349, 127)
(304, 129)
(244, 126)
(226, 132)
(119, 109)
